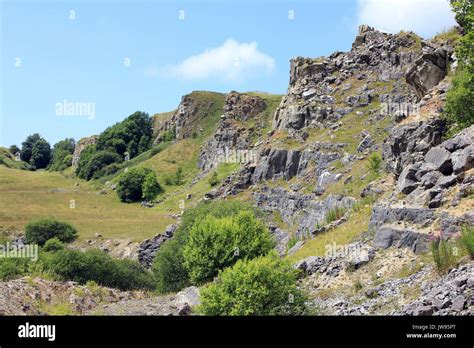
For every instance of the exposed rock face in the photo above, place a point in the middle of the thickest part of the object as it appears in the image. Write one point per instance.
(81, 145)
(149, 247)
(240, 106)
(232, 136)
(303, 211)
(309, 101)
(357, 256)
(428, 70)
(387, 237)
(229, 138)
(408, 143)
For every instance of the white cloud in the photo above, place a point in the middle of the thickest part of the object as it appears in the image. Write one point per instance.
(425, 17)
(230, 62)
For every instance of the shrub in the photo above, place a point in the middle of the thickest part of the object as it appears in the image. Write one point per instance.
(443, 255)
(176, 179)
(150, 187)
(262, 286)
(168, 265)
(11, 268)
(98, 266)
(130, 184)
(169, 134)
(168, 270)
(458, 111)
(94, 166)
(213, 180)
(375, 163)
(467, 240)
(216, 243)
(53, 245)
(41, 230)
(62, 154)
(133, 134)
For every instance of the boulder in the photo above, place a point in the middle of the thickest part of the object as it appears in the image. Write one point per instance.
(440, 158)
(427, 71)
(407, 181)
(387, 236)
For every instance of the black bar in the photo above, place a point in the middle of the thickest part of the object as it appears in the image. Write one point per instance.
(224, 331)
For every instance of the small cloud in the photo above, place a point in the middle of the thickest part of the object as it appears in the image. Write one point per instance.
(231, 62)
(425, 17)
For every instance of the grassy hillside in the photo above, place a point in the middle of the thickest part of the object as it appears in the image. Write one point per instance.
(26, 195)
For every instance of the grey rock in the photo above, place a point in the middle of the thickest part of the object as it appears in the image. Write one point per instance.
(386, 237)
(440, 158)
(407, 180)
(423, 310)
(458, 303)
(446, 181)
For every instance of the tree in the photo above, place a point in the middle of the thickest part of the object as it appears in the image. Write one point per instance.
(262, 286)
(150, 188)
(39, 231)
(168, 265)
(130, 184)
(61, 150)
(96, 163)
(27, 146)
(14, 149)
(40, 154)
(216, 243)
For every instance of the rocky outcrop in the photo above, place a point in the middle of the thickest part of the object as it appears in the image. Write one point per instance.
(442, 167)
(387, 237)
(310, 102)
(149, 247)
(242, 107)
(80, 146)
(428, 70)
(409, 143)
(303, 211)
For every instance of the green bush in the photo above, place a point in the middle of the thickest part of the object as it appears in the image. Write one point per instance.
(11, 268)
(467, 240)
(169, 134)
(168, 265)
(62, 154)
(262, 286)
(98, 266)
(39, 231)
(458, 111)
(216, 243)
(375, 163)
(443, 255)
(130, 184)
(213, 180)
(96, 163)
(150, 187)
(53, 245)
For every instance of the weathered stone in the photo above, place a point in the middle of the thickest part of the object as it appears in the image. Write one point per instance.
(440, 159)
(427, 71)
(407, 180)
(386, 237)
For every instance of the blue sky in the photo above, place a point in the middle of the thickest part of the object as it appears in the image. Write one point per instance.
(124, 56)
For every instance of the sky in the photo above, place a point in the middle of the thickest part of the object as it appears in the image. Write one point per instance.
(73, 68)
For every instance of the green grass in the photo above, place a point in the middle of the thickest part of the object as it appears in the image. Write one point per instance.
(26, 195)
(343, 234)
(8, 160)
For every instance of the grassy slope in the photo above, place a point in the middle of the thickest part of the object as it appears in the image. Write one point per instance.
(28, 195)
